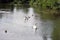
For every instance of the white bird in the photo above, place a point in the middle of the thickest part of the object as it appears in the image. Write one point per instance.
(35, 28)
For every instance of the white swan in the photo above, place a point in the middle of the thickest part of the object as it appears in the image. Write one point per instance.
(35, 28)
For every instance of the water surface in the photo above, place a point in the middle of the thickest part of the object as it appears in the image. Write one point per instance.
(20, 29)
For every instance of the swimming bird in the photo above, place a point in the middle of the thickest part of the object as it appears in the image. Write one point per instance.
(35, 27)
(26, 17)
(5, 31)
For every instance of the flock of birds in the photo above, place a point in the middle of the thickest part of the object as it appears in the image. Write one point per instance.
(34, 26)
(27, 18)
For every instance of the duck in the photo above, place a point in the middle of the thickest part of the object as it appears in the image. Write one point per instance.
(5, 31)
(26, 18)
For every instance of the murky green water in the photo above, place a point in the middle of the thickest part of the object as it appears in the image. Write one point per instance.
(13, 20)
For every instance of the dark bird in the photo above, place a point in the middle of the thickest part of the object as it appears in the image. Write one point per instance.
(5, 31)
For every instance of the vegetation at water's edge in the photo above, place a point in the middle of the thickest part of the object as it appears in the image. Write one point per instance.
(47, 6)
(52, 6)
(44, 4)
(39, 5)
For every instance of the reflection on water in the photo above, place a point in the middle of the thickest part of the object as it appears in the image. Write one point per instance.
(56, 32)
(20, 29)
(6, 7)
(0, 15)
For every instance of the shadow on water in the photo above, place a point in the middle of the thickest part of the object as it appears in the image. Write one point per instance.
(56, 31)
(46, 29)
(55, 34)
(6, 7)
(22, 6)
(1, 15)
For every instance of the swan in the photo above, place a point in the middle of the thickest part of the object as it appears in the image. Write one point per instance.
(35, 27)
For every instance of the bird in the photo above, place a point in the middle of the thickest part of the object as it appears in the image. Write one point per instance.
(35, 27)
(26, 18)
(5, 31)
(32, 15)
